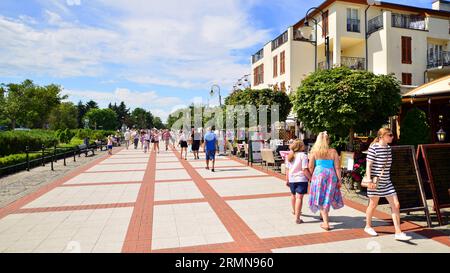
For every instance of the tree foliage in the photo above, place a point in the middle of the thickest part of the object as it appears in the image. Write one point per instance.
(414, 129)
(343, 101)
(65, 116)
(105, 119)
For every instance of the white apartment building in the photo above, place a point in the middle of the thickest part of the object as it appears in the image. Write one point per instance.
(412, 43)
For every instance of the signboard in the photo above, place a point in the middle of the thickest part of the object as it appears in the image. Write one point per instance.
(255, 147)
(437, 164)
(347, 160)
(407, 181)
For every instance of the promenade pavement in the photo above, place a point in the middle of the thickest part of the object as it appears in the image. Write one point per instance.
(147, 203)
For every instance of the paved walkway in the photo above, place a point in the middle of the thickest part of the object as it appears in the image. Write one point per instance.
(136, 202)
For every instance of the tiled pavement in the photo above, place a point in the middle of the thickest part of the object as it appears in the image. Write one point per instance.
(136, 202)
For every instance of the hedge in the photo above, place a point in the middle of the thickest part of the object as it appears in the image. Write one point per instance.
(15, 142)
(17, 158)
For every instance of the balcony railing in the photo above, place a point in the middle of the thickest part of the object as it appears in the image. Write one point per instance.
(353, 25)
(443, 59)
(258, 56)
(354, 62)
(375, 24)
(280, 40)
(409, 21)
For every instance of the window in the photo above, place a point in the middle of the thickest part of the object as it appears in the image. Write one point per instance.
(352, 20)
(282, 62)
(283, 87)
(258, 75)
(325, 24)
(406, 50)
(406, 78)
(280, 40)
(275, 66)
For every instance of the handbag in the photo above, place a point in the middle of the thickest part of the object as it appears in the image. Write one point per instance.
(367, 182)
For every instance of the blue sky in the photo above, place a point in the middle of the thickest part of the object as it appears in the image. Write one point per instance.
(154, 54)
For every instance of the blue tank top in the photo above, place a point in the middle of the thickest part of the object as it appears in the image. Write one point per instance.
(325, 163)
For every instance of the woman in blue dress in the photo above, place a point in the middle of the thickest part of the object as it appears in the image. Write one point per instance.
(325, 192)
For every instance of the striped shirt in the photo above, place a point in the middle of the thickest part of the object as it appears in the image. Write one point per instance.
(381, 156)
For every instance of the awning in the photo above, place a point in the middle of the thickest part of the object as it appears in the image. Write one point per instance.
(438, 87)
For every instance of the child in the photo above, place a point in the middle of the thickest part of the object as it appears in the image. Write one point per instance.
(297, 176)
(110, 145)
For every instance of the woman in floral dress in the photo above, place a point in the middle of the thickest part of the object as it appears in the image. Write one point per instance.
(326, 179)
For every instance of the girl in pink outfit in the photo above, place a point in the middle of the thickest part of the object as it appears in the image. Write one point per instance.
(297, 176)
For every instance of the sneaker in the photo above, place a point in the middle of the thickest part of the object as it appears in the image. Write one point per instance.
(402, 237)
(371, 231)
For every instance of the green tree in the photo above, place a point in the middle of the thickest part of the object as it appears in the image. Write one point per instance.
(91, 105)
(64, 116)
(259, 98)
(141, 118)
(414, 129)
(157, 123)
(344, 101)
(81, 109)
(13, 103)
(105, 119)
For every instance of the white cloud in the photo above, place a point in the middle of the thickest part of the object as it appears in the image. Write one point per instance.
(187, 44)
(73, 2)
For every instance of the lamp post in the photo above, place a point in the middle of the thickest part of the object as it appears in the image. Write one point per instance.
(306, 31)
(212, 93)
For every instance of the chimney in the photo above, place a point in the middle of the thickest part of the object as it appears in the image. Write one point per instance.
(442, 5)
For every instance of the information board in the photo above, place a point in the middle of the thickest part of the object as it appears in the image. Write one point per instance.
(255, 147)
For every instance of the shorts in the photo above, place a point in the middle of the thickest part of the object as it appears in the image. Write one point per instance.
(210, 155)
(183, 144)
(110, 147)
(299, 187)
(196, 145)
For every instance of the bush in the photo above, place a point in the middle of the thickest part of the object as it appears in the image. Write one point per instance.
(15, 142)
(16, 159)
(414, 128)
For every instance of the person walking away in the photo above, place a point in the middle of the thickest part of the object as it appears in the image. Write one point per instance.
(297, 176)
(210, 147)
(127, 136)
(110, 144)
(324, 164)
(146, 142)
(166, 138)
(156, 138)
(183, 144)
(195, 143)
(379, 162)
(136, 139)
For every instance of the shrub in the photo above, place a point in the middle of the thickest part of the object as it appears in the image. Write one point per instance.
(15, 142)
(414, 128)
(16, 159)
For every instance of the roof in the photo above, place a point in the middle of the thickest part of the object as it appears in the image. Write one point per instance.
(437, 87)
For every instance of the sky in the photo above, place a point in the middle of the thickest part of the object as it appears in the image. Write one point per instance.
(158, 55)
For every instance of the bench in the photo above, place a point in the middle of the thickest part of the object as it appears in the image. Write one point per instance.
(83, 148)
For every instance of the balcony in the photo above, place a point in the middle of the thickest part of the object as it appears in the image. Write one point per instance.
(443, 59)
(409, 21)
(280, 40)
(258, 56)
(354, 63)
(353, 25)
(375, 24)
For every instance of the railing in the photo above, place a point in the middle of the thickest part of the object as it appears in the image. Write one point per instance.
(375, 24)
(258, 56)
(409, 21)
(353, 25)
(280, 40)
(354, 63)
(47, 155)
(442, 60)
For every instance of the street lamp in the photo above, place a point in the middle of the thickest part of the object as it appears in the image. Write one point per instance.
(441, 135)
(212, 93)
(306, 31)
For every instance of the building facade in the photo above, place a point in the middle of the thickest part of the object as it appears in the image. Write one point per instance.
(411, 43)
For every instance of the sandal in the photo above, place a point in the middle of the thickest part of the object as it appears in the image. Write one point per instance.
(327, 228)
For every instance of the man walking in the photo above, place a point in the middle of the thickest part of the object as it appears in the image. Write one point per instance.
(127, 137)
(166, 138)
(210, 147)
